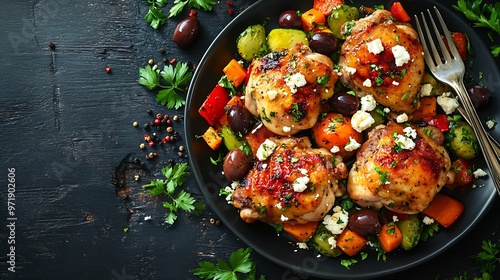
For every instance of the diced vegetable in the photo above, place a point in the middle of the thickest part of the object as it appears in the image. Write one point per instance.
(461, 42)
(301, 232)
(441, 122)
(426, 111)
(281, 38)
(230, 139)
(462, 141)
(251, 41)
(350, 242)
(213, 107)
(399, 13)
(463, 172)
(336, 130)
(321, 242)
(212, 138)
(339, 16)
(312, 18)
(235, 72)
(410, 229)
(390, 237)
(326, 6)
(444, 209)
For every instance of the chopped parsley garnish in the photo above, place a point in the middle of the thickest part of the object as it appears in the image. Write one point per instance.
(384, 175)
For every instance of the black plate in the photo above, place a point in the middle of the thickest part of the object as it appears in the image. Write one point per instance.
(262, 238)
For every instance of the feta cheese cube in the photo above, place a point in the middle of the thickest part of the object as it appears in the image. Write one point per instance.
(368, 103)
(266, 149)
(361, 120)
(375, 46)
(401, 55)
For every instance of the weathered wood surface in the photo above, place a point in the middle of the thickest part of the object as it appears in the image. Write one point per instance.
(66, 127)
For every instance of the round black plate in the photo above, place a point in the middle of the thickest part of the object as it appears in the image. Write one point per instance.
(262, 238)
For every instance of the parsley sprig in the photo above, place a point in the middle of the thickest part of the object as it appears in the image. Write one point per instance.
(156, 16)
(240, 267)
(175, 81)
(175, 175)
(482, 15)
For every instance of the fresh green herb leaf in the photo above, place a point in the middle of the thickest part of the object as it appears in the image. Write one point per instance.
(176, 9)
(175, 81)
(482, 15)
(348, 263)
(240, 264)
(155, 16)
(175, 176)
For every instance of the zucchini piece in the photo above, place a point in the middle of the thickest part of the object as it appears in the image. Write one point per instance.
(462, 141)
(281, 38)
(410, 228)
(320, 242)
(251, 42)
(233, 141)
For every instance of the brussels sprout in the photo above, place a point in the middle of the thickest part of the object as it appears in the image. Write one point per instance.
(341, 15)
(321, 244)
(410, 228)
(462, 141)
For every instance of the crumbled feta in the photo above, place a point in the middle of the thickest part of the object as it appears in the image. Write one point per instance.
(337, 221)
(400, 54)
(448, 103)
(335, 149)
(361, 120)
(479, 173)
(350, 70)
(368, 103)
(272, 94)
(367, 83)
(395, 83)
(404, 142)
(303, 171)
(402, 118)
(375, 46)
(332, 242)
(395, 218)
(279, 206)
(302, 245)
(295, 81)
(147, 218)
(352, 145)
(425, 90)
(410, 132)
(491, 123)
(284, 218)
(286, 129)
(387, 110)
(300, 184)
(428, 221)
(266, 149)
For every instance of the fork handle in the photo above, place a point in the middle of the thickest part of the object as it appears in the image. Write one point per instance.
(490, 155)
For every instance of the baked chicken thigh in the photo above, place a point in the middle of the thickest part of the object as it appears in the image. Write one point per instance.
(294, 184)
(285, 88)
(385, 59)
(401, 168)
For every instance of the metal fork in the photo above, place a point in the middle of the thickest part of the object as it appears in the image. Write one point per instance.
(447, 66)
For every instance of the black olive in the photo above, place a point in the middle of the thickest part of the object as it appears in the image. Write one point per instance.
(186, 31)
(236, 165)
(479, 95)
(324, 43)
(239, 118)
(290, 19)
(344, 103)
(365, 222)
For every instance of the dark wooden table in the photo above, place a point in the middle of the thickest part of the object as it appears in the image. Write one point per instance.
(68, 142)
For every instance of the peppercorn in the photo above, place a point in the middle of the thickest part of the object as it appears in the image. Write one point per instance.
(151, 62)
(176, 118)
(146, 126)
(135, 124)
(108, 69)
(149, 111)
(170, 129)
(162, 51)
(181, 148)
(142, 146)
(165, 117)
(169, 121)
(157, 122)
(147, 137)
(159, 116)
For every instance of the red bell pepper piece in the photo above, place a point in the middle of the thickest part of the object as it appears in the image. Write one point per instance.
(213, 107)
(441, 122)
(463, 172)
(399, 13)
(461, 42)
(326, 6)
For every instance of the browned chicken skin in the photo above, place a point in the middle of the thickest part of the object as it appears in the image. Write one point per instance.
(285, 88)
(374, 70)
(402, 180)
(295, 184)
